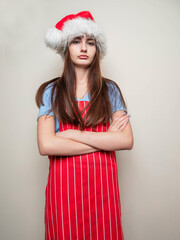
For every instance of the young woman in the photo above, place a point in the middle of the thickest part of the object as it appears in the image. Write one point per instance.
(81, 123)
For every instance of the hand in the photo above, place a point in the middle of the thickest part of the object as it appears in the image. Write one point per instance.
(119, 122)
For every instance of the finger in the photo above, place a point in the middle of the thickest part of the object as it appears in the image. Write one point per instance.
(118, 115)
(124, 125)
(114, 126)
(121, 117)
(120, 124)
(120, 120)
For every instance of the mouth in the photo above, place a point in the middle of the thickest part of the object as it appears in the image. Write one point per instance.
(83, 56)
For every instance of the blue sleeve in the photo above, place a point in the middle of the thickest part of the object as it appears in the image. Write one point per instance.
(115, 98)
(43, 110)
(47, 106)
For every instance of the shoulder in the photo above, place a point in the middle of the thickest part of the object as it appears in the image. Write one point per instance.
(115, 96)
(48, 89)
(45, 108)
(113, 89)
(47, 94)
(111, 85)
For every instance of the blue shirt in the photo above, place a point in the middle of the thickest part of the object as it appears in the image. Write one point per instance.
(114, 96)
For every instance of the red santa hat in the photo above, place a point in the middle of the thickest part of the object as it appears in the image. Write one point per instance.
(71, 26)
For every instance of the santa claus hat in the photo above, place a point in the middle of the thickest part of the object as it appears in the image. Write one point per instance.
(71, 26)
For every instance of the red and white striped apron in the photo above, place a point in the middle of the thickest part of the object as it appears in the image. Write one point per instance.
(82, 195)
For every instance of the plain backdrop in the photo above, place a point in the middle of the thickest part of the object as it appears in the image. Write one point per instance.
(143, 58)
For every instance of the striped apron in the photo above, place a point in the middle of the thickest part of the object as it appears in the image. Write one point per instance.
(82, 195)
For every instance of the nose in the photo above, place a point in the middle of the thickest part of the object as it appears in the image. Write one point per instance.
(83, 45)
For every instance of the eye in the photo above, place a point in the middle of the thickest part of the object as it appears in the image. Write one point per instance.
(75, 41)
(91, 43)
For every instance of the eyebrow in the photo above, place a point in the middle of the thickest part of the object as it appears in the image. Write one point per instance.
(88, 38)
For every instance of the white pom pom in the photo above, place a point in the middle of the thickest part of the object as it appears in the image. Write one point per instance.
(53, 38)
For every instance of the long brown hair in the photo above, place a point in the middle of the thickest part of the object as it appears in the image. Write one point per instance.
(63, 101)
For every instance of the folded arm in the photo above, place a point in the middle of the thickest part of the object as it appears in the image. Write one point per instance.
(51, 144)
(111, 140)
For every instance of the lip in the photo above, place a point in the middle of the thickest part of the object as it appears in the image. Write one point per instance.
(83, 56)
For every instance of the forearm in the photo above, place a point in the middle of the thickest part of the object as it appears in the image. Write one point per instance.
(61, 146)
(108, 141)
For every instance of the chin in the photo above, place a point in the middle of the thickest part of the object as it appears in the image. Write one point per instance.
(82, 63)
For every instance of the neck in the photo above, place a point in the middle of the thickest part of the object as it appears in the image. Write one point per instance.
(81, 81)
(81, 76)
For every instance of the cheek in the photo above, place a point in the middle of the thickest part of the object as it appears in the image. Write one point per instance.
(71, 49)
(94, 52)
(72, 52)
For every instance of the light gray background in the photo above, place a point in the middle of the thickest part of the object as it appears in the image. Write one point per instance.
(143, 58)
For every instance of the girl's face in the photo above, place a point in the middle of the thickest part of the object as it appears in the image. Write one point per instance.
(82, 50)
